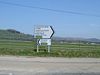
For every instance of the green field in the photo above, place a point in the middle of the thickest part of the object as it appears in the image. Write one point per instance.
(26, 48)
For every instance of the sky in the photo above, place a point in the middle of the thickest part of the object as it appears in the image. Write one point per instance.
(64, 24)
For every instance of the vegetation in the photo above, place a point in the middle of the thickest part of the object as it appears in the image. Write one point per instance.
(13, 42)
(11, 34)
(26, 48)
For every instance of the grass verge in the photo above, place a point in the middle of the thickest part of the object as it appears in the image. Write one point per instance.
(55, 53)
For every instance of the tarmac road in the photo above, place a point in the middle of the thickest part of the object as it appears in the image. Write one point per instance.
(12, 65)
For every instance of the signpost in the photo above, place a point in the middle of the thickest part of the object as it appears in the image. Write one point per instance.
(43, 35)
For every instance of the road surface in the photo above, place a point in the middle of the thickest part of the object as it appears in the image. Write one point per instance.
(13, 65)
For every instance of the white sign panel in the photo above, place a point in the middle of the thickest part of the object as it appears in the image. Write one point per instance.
(46, 41)
(44, 31)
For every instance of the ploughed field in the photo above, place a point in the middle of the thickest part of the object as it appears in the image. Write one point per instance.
(27, 48)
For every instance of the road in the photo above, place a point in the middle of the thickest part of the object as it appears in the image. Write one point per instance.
(14, 65)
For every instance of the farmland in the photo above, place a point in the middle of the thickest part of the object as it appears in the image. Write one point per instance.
(26, 48)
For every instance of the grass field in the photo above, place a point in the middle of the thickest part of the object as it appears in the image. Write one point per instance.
(26, 48)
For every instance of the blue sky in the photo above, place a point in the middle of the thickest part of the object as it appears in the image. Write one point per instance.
(65, 24)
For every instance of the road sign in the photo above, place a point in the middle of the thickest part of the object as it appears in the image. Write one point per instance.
(44, 42)
(42, 32)
(43, 35)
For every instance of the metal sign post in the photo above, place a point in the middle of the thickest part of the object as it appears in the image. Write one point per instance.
(37, 46)
(48, 48)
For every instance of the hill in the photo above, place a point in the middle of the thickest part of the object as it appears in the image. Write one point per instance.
(76, 40)
(11, 34)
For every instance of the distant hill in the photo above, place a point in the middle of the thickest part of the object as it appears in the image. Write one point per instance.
(71, 40)
(12, 34)
(93, 40)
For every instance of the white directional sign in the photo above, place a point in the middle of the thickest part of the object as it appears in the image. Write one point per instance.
(44, 31)
(43, 35)
(44, 41)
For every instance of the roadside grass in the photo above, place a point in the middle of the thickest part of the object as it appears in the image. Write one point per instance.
(55, 53)
(26, 48)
